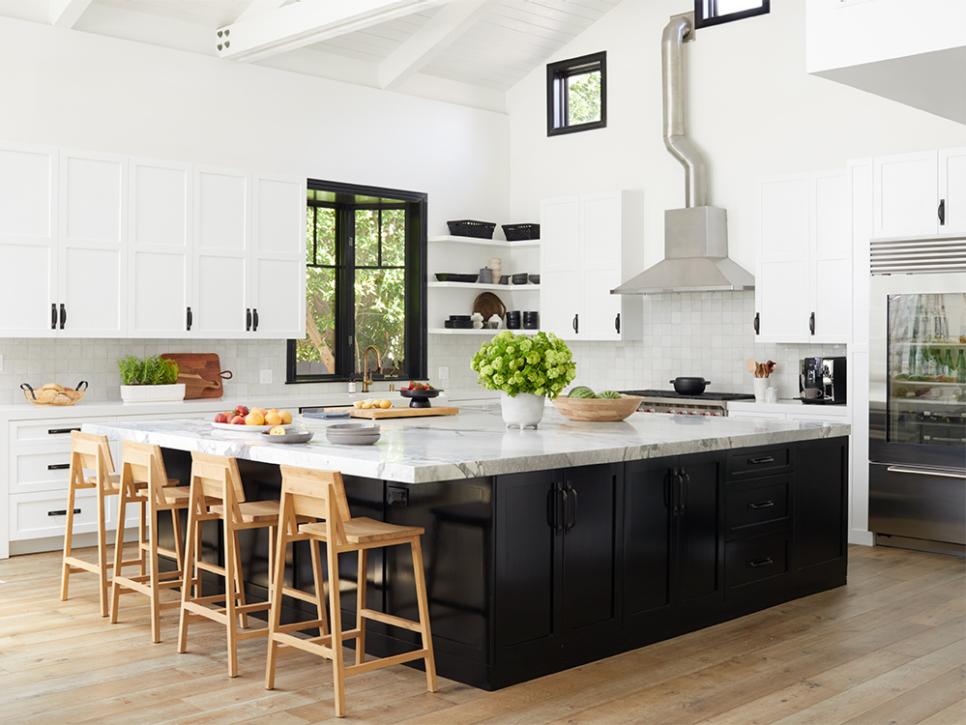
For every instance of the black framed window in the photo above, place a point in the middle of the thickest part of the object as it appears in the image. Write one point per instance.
(577, 94)
(715, 12)
(365, 284)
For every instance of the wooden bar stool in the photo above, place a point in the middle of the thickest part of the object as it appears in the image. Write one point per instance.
(217, 494)
(320, 495)
(144, 482)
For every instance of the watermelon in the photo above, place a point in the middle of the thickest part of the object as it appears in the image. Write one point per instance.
(582, 391)
(610, 395)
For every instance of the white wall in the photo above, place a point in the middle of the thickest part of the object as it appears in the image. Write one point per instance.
(753, 109)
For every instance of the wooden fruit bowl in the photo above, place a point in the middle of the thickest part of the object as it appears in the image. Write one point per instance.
(597, 410)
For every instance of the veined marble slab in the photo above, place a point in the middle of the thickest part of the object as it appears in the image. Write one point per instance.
(476, 444)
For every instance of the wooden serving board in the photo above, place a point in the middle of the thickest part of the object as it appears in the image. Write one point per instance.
(200, 372)
(385, 413)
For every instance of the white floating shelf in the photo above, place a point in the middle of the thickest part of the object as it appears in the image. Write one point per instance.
(479, 285)
(450, 239)
(456, 331)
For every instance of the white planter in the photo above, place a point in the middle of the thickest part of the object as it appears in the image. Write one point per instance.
(523, 410)
(152, 393)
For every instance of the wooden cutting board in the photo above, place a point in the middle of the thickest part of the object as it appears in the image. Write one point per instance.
(385, 413)
(200, 372)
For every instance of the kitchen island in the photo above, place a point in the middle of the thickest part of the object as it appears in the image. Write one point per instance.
(546, 549)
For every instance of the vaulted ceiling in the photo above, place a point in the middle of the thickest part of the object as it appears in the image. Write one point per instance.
(466, 51)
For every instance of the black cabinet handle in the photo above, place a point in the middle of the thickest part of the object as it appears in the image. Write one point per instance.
(254, 319)
(60, 431)
(685, 482)
(678, 476)
(58, 466)
(617, 323)
(942, 212)
(248, 319)
(761, 460)
(556, 508)
(761, 505)
(767, 561)
(53, 315)
(570, 506)
(576, 323)
(189, 319)
(811, 323)
(63, 315)
(61, 512)
(757, 322)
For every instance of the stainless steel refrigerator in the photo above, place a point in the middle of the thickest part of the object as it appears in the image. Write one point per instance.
(917, 401)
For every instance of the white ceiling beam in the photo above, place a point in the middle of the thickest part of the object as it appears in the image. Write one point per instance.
(307, 22)
(66, 13)
(259, 7)
(421, 47)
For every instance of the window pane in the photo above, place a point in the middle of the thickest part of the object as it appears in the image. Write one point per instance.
(324, 250)
(381, 317)
(315, 354)
(726, 7)
(583, 98)
(367, 237)
(393, 237)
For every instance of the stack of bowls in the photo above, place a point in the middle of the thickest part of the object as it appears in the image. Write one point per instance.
(513, 320)
(352, 434)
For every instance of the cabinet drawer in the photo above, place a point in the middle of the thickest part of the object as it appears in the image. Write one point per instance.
(752, 560)
(36, 516)
(46, 430)
(40, 469)
(759, 461)
(756, 502)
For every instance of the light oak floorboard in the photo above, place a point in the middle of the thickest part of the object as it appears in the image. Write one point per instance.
(888, 648)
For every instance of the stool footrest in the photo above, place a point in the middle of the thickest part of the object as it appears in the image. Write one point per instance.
(209, 567)
(391, 620)
(378, 664)
(299, 594)
(306, 645)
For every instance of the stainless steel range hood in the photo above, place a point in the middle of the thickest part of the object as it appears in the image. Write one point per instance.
(696, 237)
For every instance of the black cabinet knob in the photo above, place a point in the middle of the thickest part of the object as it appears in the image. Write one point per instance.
(248, 319)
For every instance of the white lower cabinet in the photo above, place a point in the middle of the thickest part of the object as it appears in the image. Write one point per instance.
(44, 514)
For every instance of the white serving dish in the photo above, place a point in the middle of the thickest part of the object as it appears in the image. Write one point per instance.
(153, 393)
(249, 428)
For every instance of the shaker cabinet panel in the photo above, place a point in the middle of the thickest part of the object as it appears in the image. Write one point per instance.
(28, 193)
(647, 537)
(158, 293)
(952, 190)
(159, 204)
(28, 290)
(906, 195)
(92, 198)
(91, 287)
(783, 293)
(279, 216)
(221, 210)
(278, 306)
(221, 290)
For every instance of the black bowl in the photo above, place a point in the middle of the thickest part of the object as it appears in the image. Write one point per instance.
(689, 386)
(520, 278)
(420, 398)
(534, 279)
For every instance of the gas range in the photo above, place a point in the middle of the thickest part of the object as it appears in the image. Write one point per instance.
(667, 401)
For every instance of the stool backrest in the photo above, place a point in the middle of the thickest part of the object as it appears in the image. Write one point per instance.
(143, 462)
(219, 478)
(317, 494)
(90, 453)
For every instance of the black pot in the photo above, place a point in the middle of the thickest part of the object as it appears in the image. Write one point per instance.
(689, 386)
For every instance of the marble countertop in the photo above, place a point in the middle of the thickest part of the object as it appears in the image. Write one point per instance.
(791, 406)
(476, 444)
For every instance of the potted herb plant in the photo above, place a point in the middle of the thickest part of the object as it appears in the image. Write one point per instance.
(149, 380)
(526, 370)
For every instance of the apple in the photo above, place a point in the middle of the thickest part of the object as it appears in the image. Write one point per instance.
(221, 418)
(237, 420)
(241, 410)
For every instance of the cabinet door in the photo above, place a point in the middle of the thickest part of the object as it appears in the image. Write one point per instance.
(647, 537)
(952, 190)
(93, 220)
(819, 506)
(906, 194)
(278, 268)
(159, 249)
(782, 287)
(589, 559)
(221, 253)
(600, 241)
(28, 254)
(832, 258)
(561, 275)
(698, 554)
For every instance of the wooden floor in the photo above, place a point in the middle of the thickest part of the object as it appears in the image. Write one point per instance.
(888, 648)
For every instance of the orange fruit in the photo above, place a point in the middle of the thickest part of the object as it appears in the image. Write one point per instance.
(255, 418)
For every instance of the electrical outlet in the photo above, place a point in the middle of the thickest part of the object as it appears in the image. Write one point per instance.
(442, 373)
(265, 377)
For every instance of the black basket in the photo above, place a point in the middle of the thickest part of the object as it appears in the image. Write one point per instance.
(521, 232)
(471, 228)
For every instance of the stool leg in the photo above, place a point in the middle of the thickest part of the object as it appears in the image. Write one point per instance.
(68, 543)
(271, 561)
(335, 609)
(239, 583)
(231, 626)
(275, 613)
(119, 552)
(197, 557)
(178, 534)
(422, 600)
(190, 571)
(102, 550)
(360, 605)
(142, 538)
(319, 586)
(155, 603)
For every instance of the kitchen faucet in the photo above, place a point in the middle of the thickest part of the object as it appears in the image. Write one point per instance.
(366, 376)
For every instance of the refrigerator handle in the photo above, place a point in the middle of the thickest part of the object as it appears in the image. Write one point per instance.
(925, 472)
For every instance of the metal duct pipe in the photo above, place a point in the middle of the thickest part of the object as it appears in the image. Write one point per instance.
(675, 117)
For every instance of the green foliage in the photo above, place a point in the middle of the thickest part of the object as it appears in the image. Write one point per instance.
(583, 98)
(154, 370)
(542, 364)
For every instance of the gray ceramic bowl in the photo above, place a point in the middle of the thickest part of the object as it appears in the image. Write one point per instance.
(352, 434)
(303, 436)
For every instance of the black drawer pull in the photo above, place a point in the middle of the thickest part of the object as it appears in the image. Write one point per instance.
(767, 561)
(58, 466)
(61, 512)
(761, 505)
(60, 431)
(761, 460)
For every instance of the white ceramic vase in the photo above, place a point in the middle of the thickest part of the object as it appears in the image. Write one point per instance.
(523, 410)
(761, 385)
(152, 393)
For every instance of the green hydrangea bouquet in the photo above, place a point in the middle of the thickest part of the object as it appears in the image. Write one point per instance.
(540, 365)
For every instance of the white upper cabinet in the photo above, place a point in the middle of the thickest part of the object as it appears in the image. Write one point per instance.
(952, 190)
(906, 195)
(804, 280)
(591, 243)
(93, 209)
(159, 250)
(28, 253)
